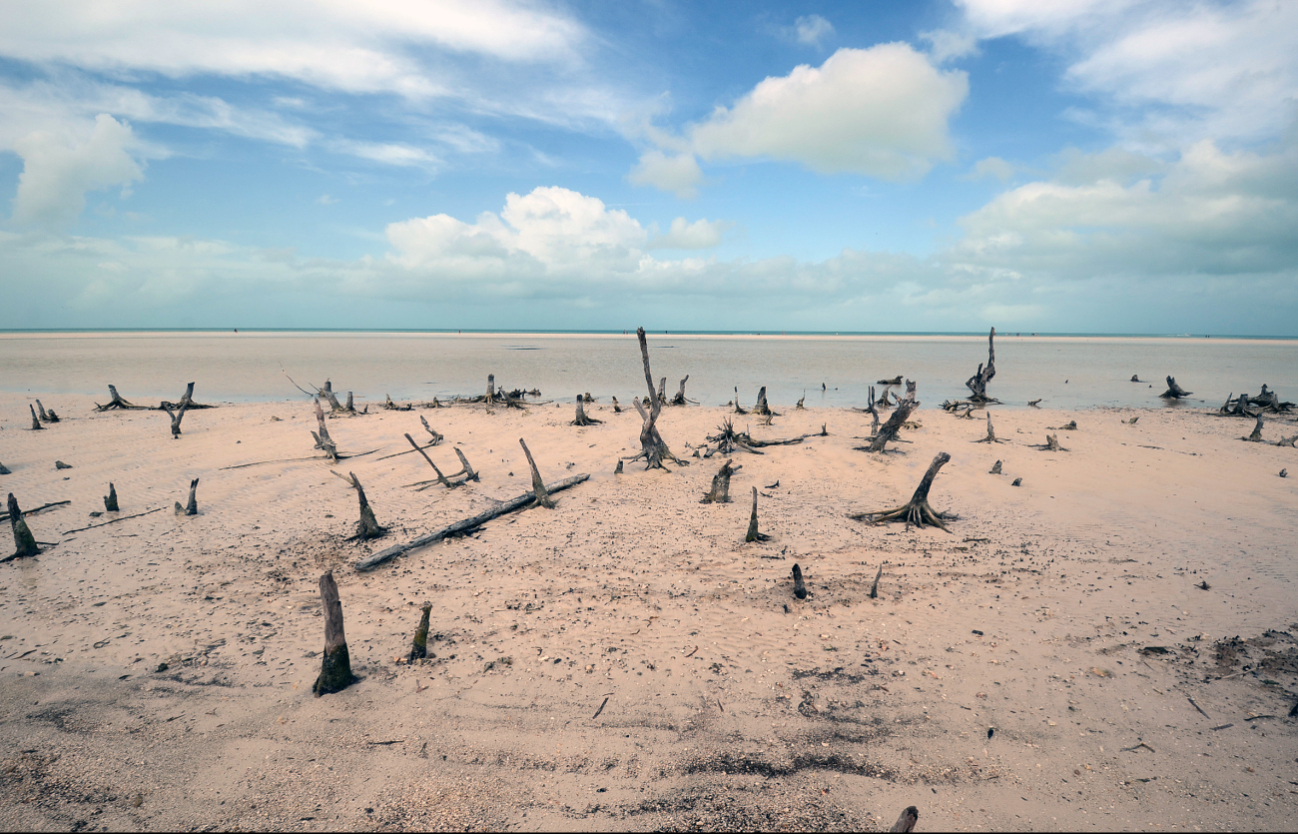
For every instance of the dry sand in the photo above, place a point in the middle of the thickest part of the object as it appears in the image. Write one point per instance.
(156, 673)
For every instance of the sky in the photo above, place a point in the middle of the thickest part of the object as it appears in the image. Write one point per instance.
(1077, 166)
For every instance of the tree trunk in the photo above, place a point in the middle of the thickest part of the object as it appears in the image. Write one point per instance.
(469, 474)
(436, 436)
(336, 667)
(762, 407)
(888, 432)
(720, 492)
(118, 402)
(906, 822)
(322, 439)
(582, 419)
(991, 432)
(799, 587)
(328, 393)
(419, 648)
(652, 447)
(916, 511)
(110, 500)
(538, 485)
(176, 416)
(24, 541)
(368, 527)
(753, 535)
(978, 382)
(1174, 391)
(36, 423)
(1256, 436)
(679, 399)
(441, 479)
(192, 507)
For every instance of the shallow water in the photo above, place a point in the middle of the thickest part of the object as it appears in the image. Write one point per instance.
(1065, 372)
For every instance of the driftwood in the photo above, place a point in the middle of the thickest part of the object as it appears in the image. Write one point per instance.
(874, 588)
(441, 479)
(391, 406)
(191, 508)
(581, 418)
(996, 468)
(1051, 444)
(118, 402)
(906, 822)
(1256, 436)
(977, 383)
(753, 535)
(36, 423)
(113, 521)
(1174, 391)
(538, 485)
(1246, 406)
(4, 516)
(991, 433)
(336, 665)
(24, 541)
(494, 397)
(894, 381)
(368, 527)
(1071, 425)
(176, 417)
(327, 392)
(801, 402)
(466, 525)
(51, 417)
(916, 511)
(322, 439)
(652, 447)
(4, 470)
(186, 401)
(872, 408)
(720, 492)
(888, 431)
(727, 440)
(799, 587)
(739, 409)
(419, 647)
(762, 407)
(680, 398)
(110, 500)
(617, 408)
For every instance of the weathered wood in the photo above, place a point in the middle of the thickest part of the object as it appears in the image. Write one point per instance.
(1051, 444)
(118, 402)
(441, 479)
(617, 407)
(468, 524)
(186, 401)
(51, 417)
(874, 588)
(469, 474)
(916, 511)
(799, 587)
(176, 417)
(762, 407)
(906, 822)
(336, 666)
(4, 516)
(739, 409)
(419, 648)
(322, 439)
(24, 541)
(617, 470)
(1256, 436)
(720, 492)
(894, 381)
(4, 470)
(368, 527)
(391, 406)
(538, 485)
(753, 534)
(110, 500)
(1174, 391)
(190, 508)
(977, 383)
(680, 399)
(36, 423)
(581, 418)
(113, 521)
(888, 431)
(433, 433)
(652, 447)
(801, 402)
(991, 432)
(328, 393)
(996, 468)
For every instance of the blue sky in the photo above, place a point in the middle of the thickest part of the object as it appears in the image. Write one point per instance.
(1122, 166)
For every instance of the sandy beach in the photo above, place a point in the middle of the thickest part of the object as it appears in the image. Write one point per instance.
(1112, 644)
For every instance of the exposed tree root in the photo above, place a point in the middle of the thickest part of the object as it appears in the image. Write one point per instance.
(916, 511)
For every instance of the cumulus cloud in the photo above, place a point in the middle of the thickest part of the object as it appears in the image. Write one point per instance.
(58, 173)
(945, 45)
(882, 111)
(812, 29)
(701, 234)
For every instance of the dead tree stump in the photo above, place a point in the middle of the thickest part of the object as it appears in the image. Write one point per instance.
(4, 470)
(720, 492)
(543, 498)
(582, 419)
(801, 402)
(391, 406)
(419, 648)
(322, 439)
(36, 423)
(739, 409)
(753, 534)
(762, 407)
(24, 541)
(1256, 436)
(991, 433)
(368, 527)
(799, 587)
(51, 417)
(888, 431)
(906, 822)
(118, 402)
(469, 474)
(680, 399)
(996, 468)
(977, 384)
(436, 436)
(652, 447)
(1174, 391)
(336, 666)
(617, 408)
(874, 588)
(110, 500)
(916, 511)
(328, 393)
(190, 508)
(1051, 444)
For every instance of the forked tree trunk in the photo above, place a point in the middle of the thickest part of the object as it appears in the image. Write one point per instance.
(191, 508)
(916, 511)
(652, 447)
(336, 666)
(720, 492)
(176, 417)
(978, 382)
(419, 648)
(24, 541)
(469, 474)
(888, 431)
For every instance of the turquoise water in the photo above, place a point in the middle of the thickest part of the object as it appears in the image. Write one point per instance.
(1064, 371)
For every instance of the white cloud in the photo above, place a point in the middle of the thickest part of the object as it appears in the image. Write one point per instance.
(701, 234)
(882, 111)
(992, 166)
(812, 29)
(387, 153)
(57, 173)
(945, 45)
(679, 174)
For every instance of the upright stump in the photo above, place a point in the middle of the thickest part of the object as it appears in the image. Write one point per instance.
(336, 665)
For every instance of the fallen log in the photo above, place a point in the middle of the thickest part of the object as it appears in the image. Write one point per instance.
(113, 521)
(5, 515)
(916, 511)
(466, 525)
(336, 665)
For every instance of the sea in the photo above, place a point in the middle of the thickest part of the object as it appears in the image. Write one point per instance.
(1062, 371)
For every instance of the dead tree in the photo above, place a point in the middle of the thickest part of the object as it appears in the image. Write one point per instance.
(662, 391)
(4, 470)
(680, 398)
(1174, 391)
(799, 587)
(1051, 444)
(350, 408)
(1071, 425)
(996, 468)
(328, 393)
(110, 500)
(322, 439)
(874, 587)
(36, 423)
(538, 486)
(419, 648)
(186, 401)
(888, 431)
(991, 433)
(762, 407)
(872, 408)
(977, 383)
(1256, 436)
(51, 417)
(436, 436)
(190, 508)
(652, 447)
(118, 402)
(906, 822)
(753, 535)
(441, 479)
(368, 527)
(720, 492)
(894, 381)
(801, 402)
(617, 408)
(391, 406)
(468, 473)
(24, 541)
(336, 667)
(176, 417)
(916, 511)
(582, 419)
